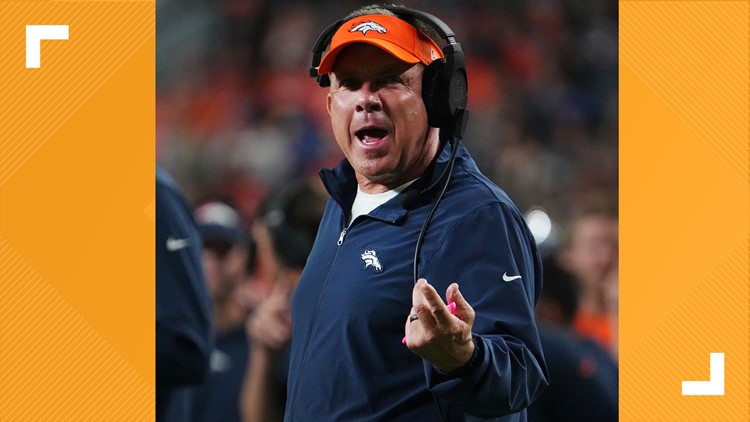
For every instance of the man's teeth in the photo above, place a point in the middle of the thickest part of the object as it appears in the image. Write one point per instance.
(371, 136)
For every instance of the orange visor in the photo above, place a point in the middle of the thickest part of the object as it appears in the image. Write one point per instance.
(390, 33)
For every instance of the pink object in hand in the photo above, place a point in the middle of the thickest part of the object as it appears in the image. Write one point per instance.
(451, 309)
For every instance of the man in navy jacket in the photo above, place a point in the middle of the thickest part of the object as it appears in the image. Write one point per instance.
(368, 342)
(183, 324)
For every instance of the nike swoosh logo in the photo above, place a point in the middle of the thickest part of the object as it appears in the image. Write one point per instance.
(176, 244)
(507, 278)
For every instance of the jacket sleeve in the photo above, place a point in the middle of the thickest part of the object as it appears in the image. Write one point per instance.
(183, 328)
(485, 252)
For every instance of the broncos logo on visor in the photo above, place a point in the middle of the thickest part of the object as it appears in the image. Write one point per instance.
(369, 26)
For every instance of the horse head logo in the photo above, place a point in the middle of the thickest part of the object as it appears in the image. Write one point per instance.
(369, 26)
(370, 257)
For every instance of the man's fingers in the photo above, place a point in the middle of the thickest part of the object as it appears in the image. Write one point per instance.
(417, 298)
(452, 294)
(464, 311)
(438, 308)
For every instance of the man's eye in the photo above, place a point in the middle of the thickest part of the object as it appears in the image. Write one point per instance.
(349, 83)
(393, 79)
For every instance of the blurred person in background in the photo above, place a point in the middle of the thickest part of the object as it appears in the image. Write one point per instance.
(285, 232)
(583, 384)
(397, 110)
(592, 255)
(183, 314)
(228, 256)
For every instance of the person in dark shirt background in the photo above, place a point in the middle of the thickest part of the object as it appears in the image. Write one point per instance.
(583, 383)
(183, 314)
(228, 257)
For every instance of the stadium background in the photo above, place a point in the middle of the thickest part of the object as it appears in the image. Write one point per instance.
(237, 114)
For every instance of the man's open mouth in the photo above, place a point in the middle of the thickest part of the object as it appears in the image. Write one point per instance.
(370, 136)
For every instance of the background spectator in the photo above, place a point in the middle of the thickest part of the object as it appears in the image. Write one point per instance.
(183, 319)
(583, 376)
(285, 232)
(228, 256)
(592, 255)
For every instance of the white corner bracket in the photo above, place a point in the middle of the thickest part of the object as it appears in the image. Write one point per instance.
(34, 36)
(714, 386)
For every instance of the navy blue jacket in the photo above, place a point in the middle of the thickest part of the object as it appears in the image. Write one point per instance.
(583, 380)
(218, 398)
(349, 309)
(183, 325)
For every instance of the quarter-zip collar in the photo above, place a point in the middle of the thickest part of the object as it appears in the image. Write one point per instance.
(341, 184)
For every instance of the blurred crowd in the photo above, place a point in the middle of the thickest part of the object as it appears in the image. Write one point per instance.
(239, 119)
(237, 113)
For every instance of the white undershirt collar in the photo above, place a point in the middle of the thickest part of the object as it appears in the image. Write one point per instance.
(366, 202)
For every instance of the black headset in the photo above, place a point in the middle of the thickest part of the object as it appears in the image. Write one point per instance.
(444, 83)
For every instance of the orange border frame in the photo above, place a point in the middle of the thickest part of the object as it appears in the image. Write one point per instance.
(76, 213)
(684, 207)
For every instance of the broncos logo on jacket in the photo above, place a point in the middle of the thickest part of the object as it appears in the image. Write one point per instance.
(371, 259)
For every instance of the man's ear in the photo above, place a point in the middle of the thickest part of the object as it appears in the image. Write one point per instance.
(328, 97)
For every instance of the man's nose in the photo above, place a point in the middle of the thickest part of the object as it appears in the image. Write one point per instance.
(369, 99)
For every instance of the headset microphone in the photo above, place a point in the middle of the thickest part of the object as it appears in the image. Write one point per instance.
(411, 198)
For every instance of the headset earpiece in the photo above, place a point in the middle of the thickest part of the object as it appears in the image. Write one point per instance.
(430, 95)
(445, 95)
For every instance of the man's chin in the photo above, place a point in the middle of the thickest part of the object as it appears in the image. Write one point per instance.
(376, 176)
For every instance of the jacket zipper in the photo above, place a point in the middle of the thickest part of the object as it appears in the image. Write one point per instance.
(303, 364)
(339, 242)
(341, 237)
